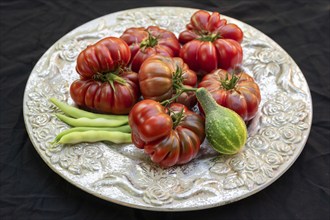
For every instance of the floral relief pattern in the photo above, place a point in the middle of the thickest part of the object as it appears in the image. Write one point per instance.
(267, 63)
(78, 158)
(277, 137)
(157, 186)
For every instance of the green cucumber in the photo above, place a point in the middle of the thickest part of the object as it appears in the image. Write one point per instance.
(225, 129)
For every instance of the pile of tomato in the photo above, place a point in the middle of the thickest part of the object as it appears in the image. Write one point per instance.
(152, 75)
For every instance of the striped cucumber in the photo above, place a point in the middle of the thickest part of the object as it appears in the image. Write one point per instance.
(225, 129)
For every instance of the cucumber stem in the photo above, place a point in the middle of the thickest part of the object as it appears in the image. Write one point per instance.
(206, 100)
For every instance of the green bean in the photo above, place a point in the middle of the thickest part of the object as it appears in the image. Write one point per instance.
(79, 113)
(88, 122)
(95, 136)
(124, 128)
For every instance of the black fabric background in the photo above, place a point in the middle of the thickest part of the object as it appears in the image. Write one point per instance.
(29, 189)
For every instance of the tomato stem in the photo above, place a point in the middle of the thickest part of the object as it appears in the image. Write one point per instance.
(115, 78)
(151, 41)
(177, 78)
(177, 94)
(110, 78)
(209, 37)
(229, 84)
(178, 86)
(176, 117)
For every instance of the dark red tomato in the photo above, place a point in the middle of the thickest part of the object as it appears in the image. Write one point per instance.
(145, 42)
(163, 77)
(106, 55)
(170, 136)
(110, 93)
(210, 43)
(238, 92)
(105, 84)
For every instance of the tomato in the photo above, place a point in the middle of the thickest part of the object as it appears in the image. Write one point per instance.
(170, 136)
(145, 42)
(161, 78)
(105, 84)
(209, 42)
(98, 95)
(106, 55)
(238, 92)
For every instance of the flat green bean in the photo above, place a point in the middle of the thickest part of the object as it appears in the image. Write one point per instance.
(124, 129)
(89, 122)
(79, 113)
(93, 136)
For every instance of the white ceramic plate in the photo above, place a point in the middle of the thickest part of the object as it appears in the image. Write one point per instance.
(124, 174)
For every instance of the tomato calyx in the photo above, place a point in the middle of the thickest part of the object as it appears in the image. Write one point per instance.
(209, 37)
(178, 87)
(151, 41)
(177, 117)
(229, 84)
(110, 77)
(178, 78)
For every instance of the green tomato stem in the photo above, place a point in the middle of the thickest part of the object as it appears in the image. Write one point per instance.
(229, 84)
(209, 37)
(110, 77)
(151, 41)
(177, 85)
(177, 118)
(179, 91)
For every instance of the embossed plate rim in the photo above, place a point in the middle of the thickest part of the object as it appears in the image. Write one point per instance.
(88, 189)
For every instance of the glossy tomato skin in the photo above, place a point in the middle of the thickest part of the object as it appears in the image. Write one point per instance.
(167, 143)
(101, 97)
(167, 44)
(149, 122)
(157, 77)
(210, 43)
(244, 98)
(105, 55)
(105, 84)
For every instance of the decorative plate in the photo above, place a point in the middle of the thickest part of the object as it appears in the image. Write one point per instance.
(123, 174)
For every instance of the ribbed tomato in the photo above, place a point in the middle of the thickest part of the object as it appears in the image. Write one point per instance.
(238, 91)
(209, 42)
(106, 55)
(163, 78)
(99, 95)
(170, 136)
(145, 42)
(105, 84)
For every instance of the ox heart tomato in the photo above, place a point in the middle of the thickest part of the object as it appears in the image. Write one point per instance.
(237, 91)
(145, 42)
(105, 84)
(170, 136)
(209, 43)
(162, 78)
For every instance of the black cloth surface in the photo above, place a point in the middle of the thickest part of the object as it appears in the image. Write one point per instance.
(29, 189)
